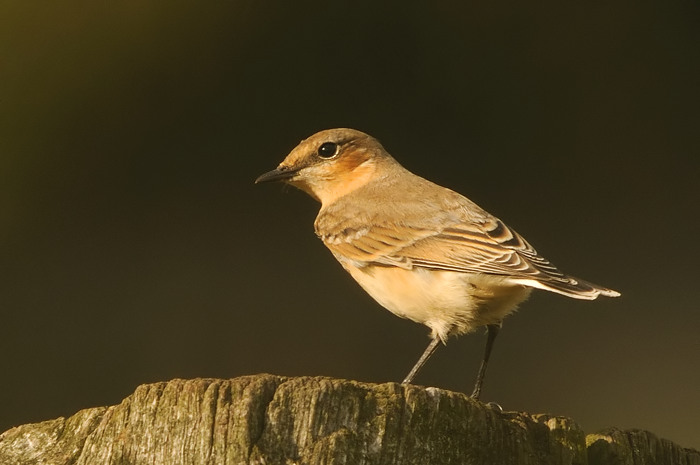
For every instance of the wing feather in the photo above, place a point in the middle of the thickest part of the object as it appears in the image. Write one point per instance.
(436, 228)
(488, 247)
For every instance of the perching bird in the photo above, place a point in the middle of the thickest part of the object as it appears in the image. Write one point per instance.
(424, 252)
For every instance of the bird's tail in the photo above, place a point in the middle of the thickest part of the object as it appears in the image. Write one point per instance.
(571, 287)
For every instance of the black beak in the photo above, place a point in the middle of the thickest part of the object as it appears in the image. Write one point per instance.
(279, 174)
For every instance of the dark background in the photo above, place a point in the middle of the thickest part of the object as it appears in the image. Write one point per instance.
(134, 246)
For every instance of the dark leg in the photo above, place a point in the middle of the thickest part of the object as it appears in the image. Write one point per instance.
(421, 361)
(491, 336)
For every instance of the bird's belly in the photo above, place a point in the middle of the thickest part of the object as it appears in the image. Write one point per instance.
(448, 302)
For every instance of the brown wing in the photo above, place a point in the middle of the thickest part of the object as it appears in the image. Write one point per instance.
(487, 246)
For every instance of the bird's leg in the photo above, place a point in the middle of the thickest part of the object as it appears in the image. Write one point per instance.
(421, 361)
(491, 336)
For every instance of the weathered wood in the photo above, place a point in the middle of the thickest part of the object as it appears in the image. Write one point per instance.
(635, 447)
(268, 419)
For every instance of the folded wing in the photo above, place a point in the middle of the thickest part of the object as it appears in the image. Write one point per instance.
(485, 246)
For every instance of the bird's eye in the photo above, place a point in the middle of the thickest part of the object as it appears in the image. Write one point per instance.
(328, 150)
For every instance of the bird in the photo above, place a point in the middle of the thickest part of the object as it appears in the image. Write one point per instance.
(422, 251)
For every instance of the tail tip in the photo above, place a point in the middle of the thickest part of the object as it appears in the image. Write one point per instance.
(609, 293)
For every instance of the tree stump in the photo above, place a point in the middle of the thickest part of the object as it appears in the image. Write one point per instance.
(267, 419)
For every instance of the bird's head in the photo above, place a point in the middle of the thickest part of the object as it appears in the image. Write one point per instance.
(330, 164)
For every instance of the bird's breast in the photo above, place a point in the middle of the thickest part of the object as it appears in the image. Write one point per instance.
(447, 302)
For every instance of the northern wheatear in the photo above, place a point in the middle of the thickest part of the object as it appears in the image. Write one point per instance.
(424, 252)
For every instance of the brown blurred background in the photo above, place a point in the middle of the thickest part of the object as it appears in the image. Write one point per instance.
(135, 248)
